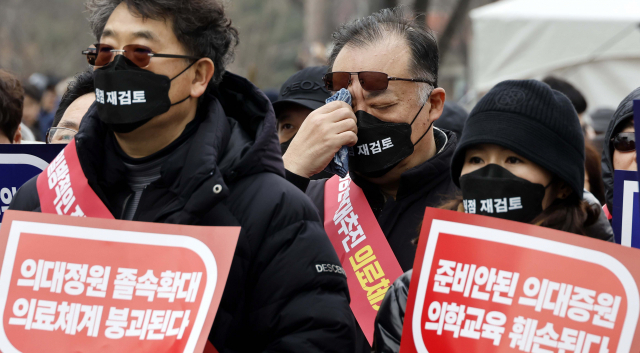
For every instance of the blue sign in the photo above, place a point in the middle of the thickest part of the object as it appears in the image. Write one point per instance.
(626, 208)
(626, 202)
(18, 164)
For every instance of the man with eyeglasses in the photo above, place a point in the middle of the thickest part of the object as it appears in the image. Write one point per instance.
(619, 150)
(399, 161)
(174, 138)
(74, 104)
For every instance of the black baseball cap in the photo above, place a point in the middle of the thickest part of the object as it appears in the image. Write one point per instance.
(305, 88)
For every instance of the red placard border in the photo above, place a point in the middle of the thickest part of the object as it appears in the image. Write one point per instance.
(551, 241)
(160, 235)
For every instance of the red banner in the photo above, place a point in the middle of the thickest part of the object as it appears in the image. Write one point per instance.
(481, 284)
(99, 285)
(363, 250)
(63, 189)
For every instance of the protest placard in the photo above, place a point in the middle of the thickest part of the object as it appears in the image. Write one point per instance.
(482, 284)
(98, 285)
(19, 164)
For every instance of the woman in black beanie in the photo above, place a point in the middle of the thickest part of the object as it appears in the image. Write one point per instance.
(521, 157)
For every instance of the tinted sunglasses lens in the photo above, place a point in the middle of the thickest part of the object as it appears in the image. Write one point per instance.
(91, 57)
(104, 55)
(138, 54)
(624, 143)
(335, 81)
(373, 81)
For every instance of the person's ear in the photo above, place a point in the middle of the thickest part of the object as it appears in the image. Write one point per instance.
(436, 99)
(564, 190)
(203, 70)
(17, 137)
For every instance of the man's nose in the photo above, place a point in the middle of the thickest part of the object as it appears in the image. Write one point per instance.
(357, 94)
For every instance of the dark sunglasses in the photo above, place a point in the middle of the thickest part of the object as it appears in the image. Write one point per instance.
(624, 141)
(369, 80)
(140, 55)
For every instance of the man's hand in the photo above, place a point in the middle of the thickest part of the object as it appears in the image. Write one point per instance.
(321, 135)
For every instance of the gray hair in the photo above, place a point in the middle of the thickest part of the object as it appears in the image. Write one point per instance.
(200, 25)
(421, 41)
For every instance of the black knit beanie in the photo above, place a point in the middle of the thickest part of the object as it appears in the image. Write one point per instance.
(534, 121)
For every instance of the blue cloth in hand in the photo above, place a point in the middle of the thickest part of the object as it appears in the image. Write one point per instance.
(340, 163)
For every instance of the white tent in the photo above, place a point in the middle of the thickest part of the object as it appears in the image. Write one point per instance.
(593, 44)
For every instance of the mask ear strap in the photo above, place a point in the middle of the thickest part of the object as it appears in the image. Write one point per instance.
(178, 102)
(181, 72)
(423, 135)
(416, 117)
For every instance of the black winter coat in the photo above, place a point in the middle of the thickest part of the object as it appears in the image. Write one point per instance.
(427, 185)
(274, 299)
(624, 112)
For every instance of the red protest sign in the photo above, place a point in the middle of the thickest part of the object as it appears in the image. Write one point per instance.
(482, 284)
(99, 285)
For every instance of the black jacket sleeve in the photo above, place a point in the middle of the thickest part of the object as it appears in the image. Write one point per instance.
(297, 293)
(388, 325)
(26, 198)
(299, 181)
(310, 312)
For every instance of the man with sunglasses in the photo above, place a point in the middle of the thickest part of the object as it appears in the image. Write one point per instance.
(619, 150)
(400, 162)
(173, 138)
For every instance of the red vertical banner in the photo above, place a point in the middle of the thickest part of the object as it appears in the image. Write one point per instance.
(99, 285)
(482, 284)
(364, 252)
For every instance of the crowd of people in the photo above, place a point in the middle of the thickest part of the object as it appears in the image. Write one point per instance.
(164, 133)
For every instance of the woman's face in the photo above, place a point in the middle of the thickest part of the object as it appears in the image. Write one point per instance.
(625, 160)
(479, 156)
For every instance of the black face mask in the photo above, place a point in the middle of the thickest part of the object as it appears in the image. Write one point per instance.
(285, 145)
(494, 191)
(128, 96)
(381, 145)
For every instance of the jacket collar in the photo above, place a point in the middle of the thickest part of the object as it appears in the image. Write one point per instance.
(434, 170)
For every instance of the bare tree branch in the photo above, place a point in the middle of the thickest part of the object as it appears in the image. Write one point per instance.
(455, 22)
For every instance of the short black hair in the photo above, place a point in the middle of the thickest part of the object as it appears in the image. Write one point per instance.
(368, 30)
(11, 104)
(81, 85)
(564, 87)
(32, 91)
(200, 25)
